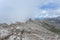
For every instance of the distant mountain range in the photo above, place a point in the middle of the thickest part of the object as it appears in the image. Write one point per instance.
(58, 17)
(51, 21)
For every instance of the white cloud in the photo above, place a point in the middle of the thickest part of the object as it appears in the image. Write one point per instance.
(44, 12)
(20, 10)
(17, 10)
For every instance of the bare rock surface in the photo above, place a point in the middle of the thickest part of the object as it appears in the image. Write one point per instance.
(4, 32)
(27, 31)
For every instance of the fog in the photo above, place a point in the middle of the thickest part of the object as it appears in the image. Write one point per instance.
(17, 10)
(22, 10)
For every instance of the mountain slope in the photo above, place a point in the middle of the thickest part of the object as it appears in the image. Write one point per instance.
(30, 30)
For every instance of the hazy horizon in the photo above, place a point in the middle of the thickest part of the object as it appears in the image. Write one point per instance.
(22, 10)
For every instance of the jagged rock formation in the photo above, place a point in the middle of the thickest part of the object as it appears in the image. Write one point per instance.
(31, 30)
(4, 32)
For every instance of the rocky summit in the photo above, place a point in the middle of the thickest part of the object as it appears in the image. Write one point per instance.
(30, 30)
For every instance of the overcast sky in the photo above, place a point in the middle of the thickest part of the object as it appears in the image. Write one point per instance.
(21, 10)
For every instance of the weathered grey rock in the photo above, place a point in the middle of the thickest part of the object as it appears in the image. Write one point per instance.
(27, 31)
(4, 32)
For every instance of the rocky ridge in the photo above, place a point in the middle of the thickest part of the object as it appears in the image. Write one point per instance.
(29, 30)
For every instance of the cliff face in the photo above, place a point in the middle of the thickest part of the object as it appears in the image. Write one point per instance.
(31, 30)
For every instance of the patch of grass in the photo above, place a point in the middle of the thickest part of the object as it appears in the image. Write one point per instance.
(55, 30)
(47, 26)
(51, 28)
